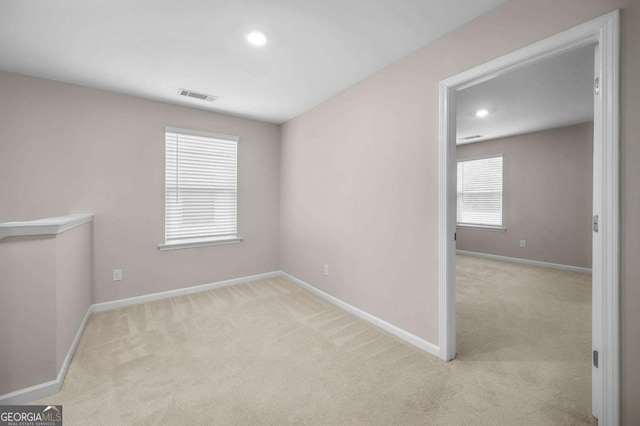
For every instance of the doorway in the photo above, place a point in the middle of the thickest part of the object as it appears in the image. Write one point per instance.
(602, 32)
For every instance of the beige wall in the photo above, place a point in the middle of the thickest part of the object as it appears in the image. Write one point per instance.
(358, 178)
(359, 175)
(547, 184)
(73, 285)
(72, 149)
(45, 292)
(27, 312)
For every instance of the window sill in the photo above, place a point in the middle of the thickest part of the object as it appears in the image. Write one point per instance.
(482, 228)
(199, 243)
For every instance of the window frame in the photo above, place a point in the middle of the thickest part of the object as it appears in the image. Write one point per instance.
(197, 241)
(483, 227)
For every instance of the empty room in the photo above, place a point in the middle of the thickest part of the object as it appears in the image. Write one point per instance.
(332, 213)
(524, 151)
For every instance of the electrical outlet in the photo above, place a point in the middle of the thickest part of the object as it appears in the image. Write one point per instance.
(326, 269)
(117, 274)
(523, 243)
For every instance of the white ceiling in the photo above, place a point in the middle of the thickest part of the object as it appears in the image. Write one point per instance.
(152, 48)
(552, 93)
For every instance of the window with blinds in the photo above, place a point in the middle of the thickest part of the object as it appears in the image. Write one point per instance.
(201, 187)
(480, 191)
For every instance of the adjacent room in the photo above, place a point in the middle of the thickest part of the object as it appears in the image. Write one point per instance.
(523, 237)
(232, 212)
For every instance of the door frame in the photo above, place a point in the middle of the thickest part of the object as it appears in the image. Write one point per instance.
(604, 32)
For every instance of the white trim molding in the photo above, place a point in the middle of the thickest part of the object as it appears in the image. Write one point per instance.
(42, 390)
(201, 243)
(525, 261)
(49, 388)
(173, 129)
(49, 226)
(26, 395)
(604, 34)
(481, 228)
(380, 323)
(390, 328)
(121, 303)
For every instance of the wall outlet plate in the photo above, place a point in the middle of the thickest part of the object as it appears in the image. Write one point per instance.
(117, 274)
(523, 243)
(326, 269)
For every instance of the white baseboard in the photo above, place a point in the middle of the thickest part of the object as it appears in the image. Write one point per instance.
(526, 261)
(74, 345)
(389, 328)
(23, 396)
(49, 388)
(106, 306)
(43, 390)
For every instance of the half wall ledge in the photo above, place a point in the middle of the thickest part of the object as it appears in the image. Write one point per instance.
(48, 226)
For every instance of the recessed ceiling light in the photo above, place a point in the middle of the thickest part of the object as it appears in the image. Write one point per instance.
(257, 38)
(482, 113)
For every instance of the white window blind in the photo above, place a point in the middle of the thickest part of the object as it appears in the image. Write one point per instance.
(480, 191)
(201, 186)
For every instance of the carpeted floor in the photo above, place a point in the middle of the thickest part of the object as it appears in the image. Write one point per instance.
(270, 353)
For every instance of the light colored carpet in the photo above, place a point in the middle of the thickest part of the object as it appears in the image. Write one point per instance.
(270, 353)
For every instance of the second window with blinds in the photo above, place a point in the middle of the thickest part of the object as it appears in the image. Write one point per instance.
(480, 192)
(201, 189)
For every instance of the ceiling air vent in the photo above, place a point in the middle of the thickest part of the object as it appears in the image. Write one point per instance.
(196, 95)
(468, 138)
